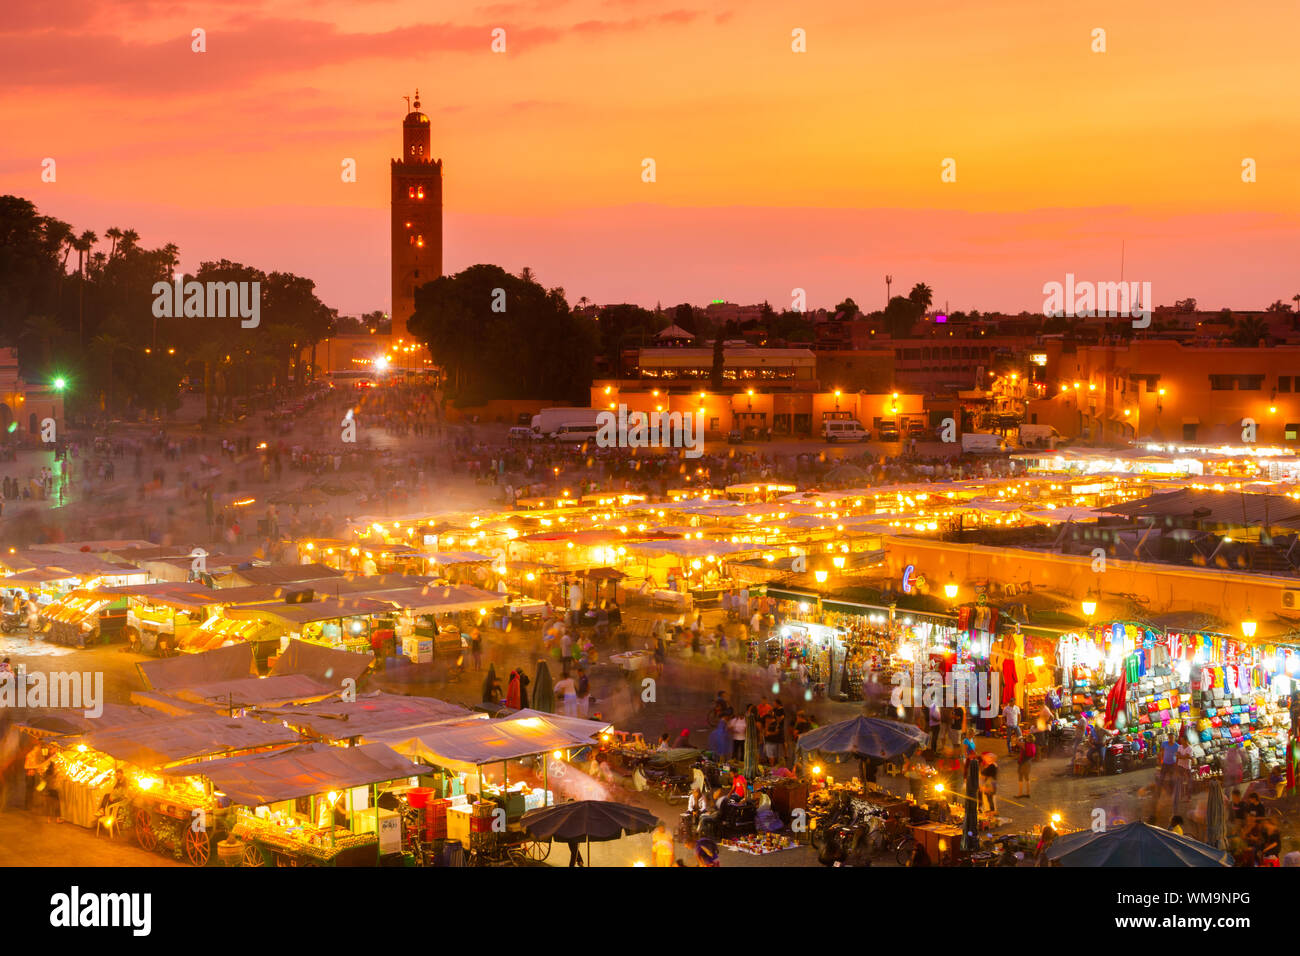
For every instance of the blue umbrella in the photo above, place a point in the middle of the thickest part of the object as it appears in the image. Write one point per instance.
(1134, 844)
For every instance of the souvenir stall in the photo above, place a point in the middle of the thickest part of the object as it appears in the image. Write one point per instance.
(1025, 663)
(1231, 696)
(1228, 699)
(808, 653)
(310, 805)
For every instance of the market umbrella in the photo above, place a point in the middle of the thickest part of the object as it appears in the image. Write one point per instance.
(488, 681)
(599, 820)
(1214, 816)
(751, 746)
(1134, 844)
(543, 689)
(865, 738)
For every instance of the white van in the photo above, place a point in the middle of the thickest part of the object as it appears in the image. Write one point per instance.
(844, 429)
(576, 432)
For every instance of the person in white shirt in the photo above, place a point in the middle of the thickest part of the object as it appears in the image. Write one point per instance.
(737, 727)
(1011, 723)
(567, 692)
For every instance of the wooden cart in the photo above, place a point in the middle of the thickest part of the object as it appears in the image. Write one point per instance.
(187, 829)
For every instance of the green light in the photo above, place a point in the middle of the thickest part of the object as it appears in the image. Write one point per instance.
(60, 383)
(13, 427)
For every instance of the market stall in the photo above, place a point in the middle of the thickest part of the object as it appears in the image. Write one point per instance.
(84, 617)
(310, 805)
(180, 817)
(478, 757)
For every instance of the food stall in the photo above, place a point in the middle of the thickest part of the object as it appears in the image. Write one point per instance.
(310, 805)
(84, 617)
(338, 623)
(479, 754)
(166, 813)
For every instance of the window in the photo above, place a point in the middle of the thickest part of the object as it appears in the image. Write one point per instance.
(1284, 383)
(419, 192)
(1292, 432)
(1189, 433)
(410, 194)
(1222, 383)
(1250, 383)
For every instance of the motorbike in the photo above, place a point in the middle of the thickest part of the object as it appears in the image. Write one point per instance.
(13, 621)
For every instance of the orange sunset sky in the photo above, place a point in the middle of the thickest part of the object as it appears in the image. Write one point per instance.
(776, 169)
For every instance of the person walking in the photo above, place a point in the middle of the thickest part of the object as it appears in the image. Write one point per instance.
(1028, 751)
(989, 784)
(661, 843)
(737, 727)
(476, 647)
(1011, 723)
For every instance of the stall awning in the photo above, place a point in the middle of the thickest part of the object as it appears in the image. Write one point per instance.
(468, 746)
(448, 558)
(300, 772)
(224, 663)
(166, 740)
(294, 616)
(368, 714)
(441, 599)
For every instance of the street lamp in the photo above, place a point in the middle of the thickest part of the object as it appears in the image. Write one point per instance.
(1089, 605)
(60, 383)
(1248, 624)
(950, 589)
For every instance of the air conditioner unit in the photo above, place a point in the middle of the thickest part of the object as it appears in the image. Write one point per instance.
(1291, 599)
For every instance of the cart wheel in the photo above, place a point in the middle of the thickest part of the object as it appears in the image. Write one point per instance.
(906, 847)
(537, 851)
(198, 846)
(145, 834)
(253, 856)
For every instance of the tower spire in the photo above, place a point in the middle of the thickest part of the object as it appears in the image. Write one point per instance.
(417, 97)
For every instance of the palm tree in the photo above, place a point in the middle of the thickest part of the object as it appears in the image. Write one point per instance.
(1250, 330)
(921, 295)
(129, 238)
(84, 243)
(527, 274)
(1296, 299)
(113, 233)
(45, 330)
(109, 345)
(87, 239)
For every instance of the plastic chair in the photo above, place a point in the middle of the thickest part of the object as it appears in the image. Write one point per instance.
(109, 819)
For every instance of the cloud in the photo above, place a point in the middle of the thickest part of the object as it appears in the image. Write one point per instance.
(235, 54)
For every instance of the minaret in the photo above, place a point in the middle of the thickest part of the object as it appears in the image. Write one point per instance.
(417, 216)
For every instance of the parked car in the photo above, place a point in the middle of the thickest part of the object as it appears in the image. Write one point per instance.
(734, 437)
(889, 430)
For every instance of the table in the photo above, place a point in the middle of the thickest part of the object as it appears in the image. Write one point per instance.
(630, 660)
(79, 802)
(929, 836)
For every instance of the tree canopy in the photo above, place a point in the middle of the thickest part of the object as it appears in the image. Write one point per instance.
(502, 336)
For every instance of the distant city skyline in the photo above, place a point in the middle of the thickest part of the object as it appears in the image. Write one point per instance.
(774, 170)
